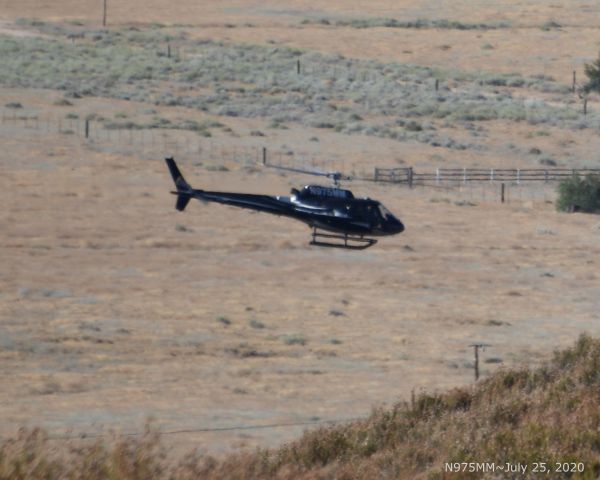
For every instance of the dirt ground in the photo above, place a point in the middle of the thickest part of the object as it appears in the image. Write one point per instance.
(115, 308)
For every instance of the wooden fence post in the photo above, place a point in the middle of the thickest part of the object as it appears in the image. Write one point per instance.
(298, 67)
(574, 80)
(502, 193)
(476, 347)
(104, 14)
(264, 155)
(410, 177)
(87, 128)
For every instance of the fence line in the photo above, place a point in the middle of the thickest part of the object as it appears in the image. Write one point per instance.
(187, 144)
(201, 429)
(182, 142)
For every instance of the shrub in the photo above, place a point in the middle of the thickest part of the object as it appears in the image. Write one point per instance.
(413, 126)
(257, 324)
(294, 339)
(580, 194)
(550, 162)
(63, 102)
(550, 25)
(224, 320)
(592, 71)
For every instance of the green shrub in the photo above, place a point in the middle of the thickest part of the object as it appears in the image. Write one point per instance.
(580, 194)
(551, 25)
(294, 339)
(256, 324)
(592, 71)
(63, 102)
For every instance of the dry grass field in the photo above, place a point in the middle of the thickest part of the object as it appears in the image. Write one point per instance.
(115, 308)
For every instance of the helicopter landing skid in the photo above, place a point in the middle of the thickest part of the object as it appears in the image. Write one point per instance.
(350, 242)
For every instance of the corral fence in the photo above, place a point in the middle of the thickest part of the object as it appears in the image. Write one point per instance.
(458, 176)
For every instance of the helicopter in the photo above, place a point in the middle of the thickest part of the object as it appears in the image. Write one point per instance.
(336, 217)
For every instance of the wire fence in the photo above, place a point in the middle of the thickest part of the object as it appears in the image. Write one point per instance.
(217, 153)
(184, 431)
(196, 430)
(188, 145)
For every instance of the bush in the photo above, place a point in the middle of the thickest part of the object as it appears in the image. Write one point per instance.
(294, 339)
(579, 194)
(592, 71)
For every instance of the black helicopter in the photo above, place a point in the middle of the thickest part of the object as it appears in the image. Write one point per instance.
(325, 208)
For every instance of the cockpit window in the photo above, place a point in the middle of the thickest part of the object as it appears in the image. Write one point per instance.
(385, 213)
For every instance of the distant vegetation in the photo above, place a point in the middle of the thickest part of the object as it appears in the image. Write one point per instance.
(164, 66)
(549, 414)
(592, 71)
(370, 22)
(579, 194)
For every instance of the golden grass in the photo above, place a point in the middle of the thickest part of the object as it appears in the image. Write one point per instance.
(521, 416)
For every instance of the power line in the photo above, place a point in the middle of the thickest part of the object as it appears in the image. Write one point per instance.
(83, 436)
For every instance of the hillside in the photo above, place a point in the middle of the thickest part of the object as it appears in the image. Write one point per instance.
(546, 417)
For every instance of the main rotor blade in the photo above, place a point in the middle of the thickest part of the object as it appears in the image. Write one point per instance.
(336, 176)
(312, 171)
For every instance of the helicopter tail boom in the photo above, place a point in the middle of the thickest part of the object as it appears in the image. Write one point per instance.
(184, 190)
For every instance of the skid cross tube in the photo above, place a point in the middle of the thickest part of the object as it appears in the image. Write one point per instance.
(360, 243)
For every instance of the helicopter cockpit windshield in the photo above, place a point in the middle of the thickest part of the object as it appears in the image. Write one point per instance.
(385, 213)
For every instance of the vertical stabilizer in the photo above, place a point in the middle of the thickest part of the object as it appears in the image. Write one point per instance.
(184, 189)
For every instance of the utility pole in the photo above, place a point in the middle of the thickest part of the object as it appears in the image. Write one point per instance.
(476, 347)
(104, 14)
